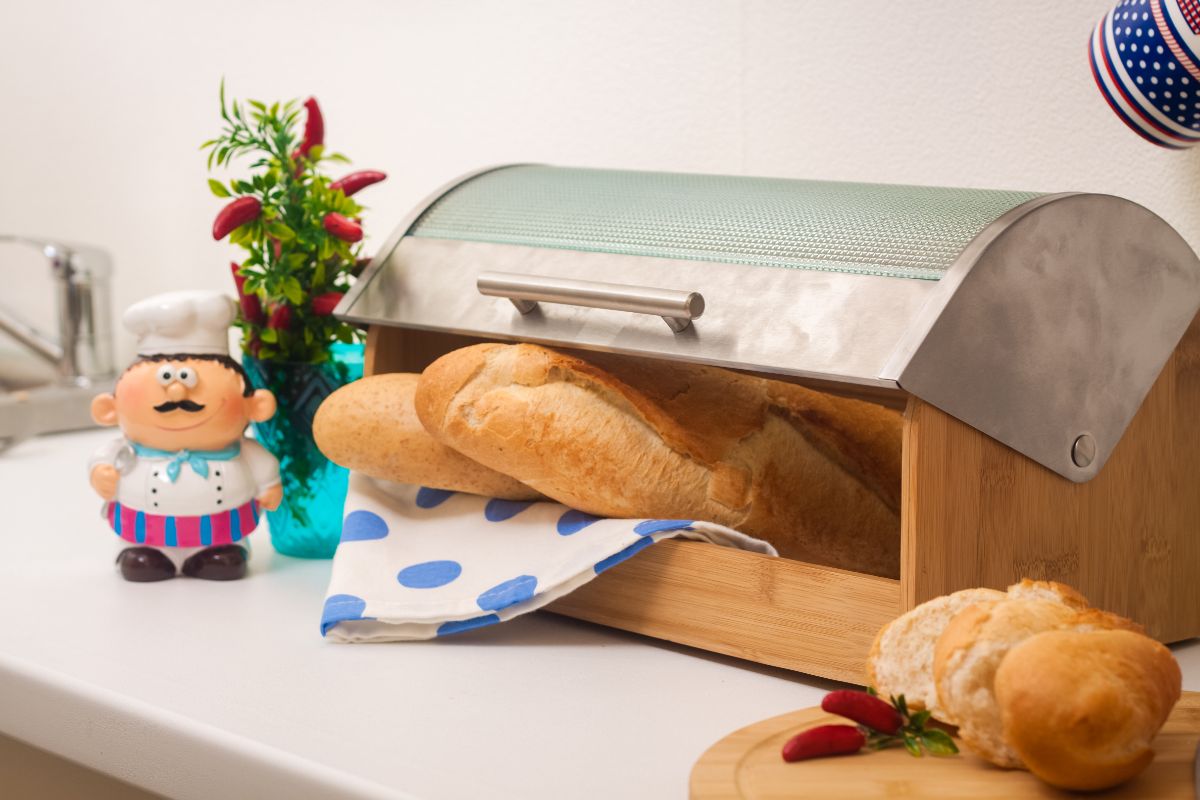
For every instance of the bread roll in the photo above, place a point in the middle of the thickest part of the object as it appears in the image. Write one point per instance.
(817, 476)
(901, 659)
(1081, 708)
(369, 426)
(971, 649)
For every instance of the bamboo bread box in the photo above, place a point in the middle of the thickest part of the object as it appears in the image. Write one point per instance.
(1045, 351)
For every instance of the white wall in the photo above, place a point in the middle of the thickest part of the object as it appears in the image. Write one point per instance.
(103, 104)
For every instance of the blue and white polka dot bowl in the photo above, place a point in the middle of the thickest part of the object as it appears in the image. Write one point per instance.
(1145, 58)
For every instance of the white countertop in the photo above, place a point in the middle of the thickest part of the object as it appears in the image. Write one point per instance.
(197, 689)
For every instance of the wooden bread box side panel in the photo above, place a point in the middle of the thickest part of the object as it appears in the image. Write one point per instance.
(979, 514)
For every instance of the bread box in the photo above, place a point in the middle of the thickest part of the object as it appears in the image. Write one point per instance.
(1043, 348)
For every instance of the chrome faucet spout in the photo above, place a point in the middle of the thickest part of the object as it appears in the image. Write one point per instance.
(83, 350)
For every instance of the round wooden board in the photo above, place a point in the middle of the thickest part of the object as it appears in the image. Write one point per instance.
(747, 764)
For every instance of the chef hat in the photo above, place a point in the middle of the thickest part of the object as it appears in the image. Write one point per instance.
(182, 322)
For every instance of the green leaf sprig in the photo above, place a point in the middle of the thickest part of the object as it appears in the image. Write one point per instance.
(291, 258)
(914, 734)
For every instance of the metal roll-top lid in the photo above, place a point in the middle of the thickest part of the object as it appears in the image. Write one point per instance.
(1041, 320)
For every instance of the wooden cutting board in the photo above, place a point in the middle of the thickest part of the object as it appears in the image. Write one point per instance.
(747, 764)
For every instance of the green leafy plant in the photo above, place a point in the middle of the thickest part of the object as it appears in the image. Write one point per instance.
(301, 230)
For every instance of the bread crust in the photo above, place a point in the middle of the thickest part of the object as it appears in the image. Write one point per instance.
(817, 476)
(370, 426)
(1080, 708)
(966, 658)
(972, 649)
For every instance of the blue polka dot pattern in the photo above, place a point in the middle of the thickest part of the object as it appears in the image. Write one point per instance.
(339, 608)
(498, 510)
(649, 526)
(458, 626)
(429, 574)
(509, 593)
(432, 498)
(363, 525)
(618, 557)
(573, 521)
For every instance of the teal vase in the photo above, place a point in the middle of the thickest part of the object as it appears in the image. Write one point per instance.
(308, 523)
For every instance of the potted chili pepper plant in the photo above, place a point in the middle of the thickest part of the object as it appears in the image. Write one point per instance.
(302, 235)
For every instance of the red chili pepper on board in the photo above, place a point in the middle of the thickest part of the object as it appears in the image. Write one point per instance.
(251, 307)
(864, 709)
(235, 215)
(345, 229)
(314, 126)
(281, 318)
(824, 740)
(324, 304)
(356, 181)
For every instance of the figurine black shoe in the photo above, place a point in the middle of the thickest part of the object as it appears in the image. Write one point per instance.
(145, 564)
(226, 562)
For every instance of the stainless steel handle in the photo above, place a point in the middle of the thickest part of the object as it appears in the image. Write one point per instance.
(677, 308)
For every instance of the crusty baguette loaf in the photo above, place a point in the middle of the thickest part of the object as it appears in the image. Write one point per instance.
(1081, 708)
(965, 660)
(817, 476)
(369, 426)
(974, 644)
(901, 658)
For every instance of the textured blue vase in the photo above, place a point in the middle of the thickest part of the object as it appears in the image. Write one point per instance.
(308, 523)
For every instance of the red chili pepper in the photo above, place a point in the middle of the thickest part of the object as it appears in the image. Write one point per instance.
(314, 126)
(864, 709)
(235, 215)
(281, 318)
(357, 181)
(324, 304)
(276, 247)
(345, 229)
(251, 307)
(825, 740)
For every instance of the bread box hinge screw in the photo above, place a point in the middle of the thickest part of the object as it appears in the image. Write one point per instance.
(1083, 452)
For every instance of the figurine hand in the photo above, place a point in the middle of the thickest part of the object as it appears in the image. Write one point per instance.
(271, 497)
(104, 480)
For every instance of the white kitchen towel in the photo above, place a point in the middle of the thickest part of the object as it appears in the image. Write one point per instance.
(416, 563)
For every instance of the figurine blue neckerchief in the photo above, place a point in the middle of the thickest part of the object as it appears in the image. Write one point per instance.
(183, 486)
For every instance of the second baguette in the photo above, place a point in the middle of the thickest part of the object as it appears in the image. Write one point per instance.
(369, 426)
(817, 476)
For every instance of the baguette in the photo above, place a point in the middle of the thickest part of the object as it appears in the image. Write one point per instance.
(972, 648)
(817, 476)
(901, 658)
(1081, 708)
(369, 426)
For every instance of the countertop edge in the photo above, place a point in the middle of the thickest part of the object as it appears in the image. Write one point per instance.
(158, 750)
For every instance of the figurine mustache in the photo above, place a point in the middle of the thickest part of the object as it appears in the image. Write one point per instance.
(171, 405)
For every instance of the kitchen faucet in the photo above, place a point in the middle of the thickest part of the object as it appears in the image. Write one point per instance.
(82, 352)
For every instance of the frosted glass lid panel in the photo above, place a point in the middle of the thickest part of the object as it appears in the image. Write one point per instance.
(863, 228)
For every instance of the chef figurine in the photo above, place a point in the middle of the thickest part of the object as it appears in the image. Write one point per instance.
(183, 485)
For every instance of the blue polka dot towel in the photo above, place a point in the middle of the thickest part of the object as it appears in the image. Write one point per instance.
(416, 563)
